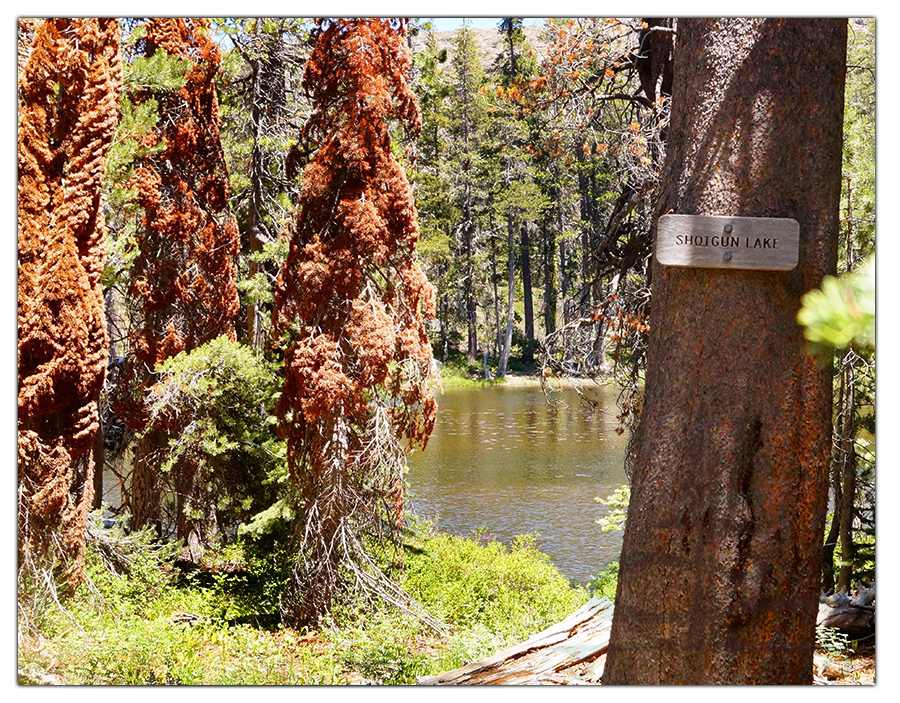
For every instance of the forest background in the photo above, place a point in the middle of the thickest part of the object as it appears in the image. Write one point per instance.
(608, 206)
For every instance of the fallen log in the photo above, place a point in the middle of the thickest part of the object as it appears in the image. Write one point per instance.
(570, 652)
(573, 651)
(854, 616)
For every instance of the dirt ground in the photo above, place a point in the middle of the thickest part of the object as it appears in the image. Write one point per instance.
(852, 669)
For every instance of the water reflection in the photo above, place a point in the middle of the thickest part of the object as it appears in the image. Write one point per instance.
(505, 461)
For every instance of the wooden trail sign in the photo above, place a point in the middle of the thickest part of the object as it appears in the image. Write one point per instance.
(766, 243)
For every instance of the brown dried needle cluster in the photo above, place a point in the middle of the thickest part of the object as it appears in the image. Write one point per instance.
(68, 113)
(185, 273)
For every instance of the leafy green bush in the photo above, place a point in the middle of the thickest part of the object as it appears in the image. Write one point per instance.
(141, 627)
(471, 644)
(139, 624)
(492, 596)
(606, 580)
(842, 312)
(126, 567)
(162, 649)
(254, 591)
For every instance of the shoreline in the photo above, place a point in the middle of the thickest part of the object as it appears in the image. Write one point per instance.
(512, 380)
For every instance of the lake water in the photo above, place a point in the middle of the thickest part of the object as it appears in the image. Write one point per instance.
(505, 461)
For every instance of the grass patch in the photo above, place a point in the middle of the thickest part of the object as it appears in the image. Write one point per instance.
(457, 373)
(486, 588)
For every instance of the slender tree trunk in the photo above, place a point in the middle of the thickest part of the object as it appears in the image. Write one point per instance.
(443, 312)
(831, 539)
(845, 451)
(550, 275)
(847, 456)
(585, 211)
(252, 327)
(254, 209)
(192, 511)
(834, 530)
(99, 459)
(99, 449)
(719, 576)
(527, 298)
(471, 304)
(498, 339)
(468, 223)
(510, 311)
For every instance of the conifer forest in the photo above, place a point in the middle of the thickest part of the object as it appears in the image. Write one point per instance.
(255, 255)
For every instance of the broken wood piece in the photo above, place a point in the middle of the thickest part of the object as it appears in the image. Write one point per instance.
(570, 652)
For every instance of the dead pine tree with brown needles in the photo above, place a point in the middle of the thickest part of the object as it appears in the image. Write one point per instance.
(350, 309)
(68, 97)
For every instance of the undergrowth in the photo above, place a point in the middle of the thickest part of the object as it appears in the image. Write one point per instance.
(144, 622)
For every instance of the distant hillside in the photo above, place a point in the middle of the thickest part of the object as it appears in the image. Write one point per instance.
(490, 43)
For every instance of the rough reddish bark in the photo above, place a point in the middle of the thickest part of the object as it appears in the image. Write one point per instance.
(185, 275)
(351, 302)
(719, 576)
(68, 111)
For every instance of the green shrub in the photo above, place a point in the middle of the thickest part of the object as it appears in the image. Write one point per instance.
(617, 502)
(603, 585)
(471, 645)
(832, 641)
(214, 404)
(254, 591)
(514, 592)
(162, 650)
(379, 646)
(842, 312)
(137, 624)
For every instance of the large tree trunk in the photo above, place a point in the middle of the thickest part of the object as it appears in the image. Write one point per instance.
(352, 283)
(719, 576)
